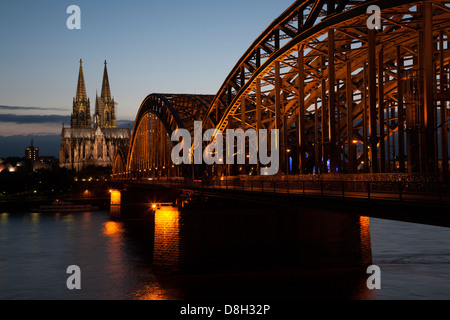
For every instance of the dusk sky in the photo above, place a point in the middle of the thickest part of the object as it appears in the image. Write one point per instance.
(169, 46)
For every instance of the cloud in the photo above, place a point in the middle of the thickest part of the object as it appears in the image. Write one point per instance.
(34, 118)
(2, 107)
(11, 125)
(13, 128)
(17, 120)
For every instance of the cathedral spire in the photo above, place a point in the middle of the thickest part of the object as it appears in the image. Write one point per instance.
(106, 92)
(81, 88)
(81, 114)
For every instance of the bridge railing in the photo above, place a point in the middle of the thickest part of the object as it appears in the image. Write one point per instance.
(432, 191)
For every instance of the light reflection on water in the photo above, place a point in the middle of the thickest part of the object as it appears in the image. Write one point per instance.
(115, 258)
(4, 218)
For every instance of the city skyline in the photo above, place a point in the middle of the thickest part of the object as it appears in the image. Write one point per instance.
(171, 46)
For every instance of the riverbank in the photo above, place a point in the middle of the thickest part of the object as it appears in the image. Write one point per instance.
(27, 205)
(93, 193)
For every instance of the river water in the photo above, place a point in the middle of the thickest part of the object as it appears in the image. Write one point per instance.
(115, 259)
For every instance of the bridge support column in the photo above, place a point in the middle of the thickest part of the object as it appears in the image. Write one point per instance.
(258, 119)
(332, 102)
(400, 112)
(324, 127)
(381, 107)
(278, 119)
(443, 88)
(349, 96)
(166, 250)
(372, 84)
(365, 122)
(317, 155)
(301, 112)
(115, 203)
(429, 154)
(243, 110)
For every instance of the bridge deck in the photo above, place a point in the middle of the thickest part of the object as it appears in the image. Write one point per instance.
(431, 192)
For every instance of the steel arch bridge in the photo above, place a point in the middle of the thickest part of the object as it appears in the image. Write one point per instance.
(158, 117)
(344, 97)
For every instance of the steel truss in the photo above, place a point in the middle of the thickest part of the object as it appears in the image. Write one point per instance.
(344, 97)
(158, 116)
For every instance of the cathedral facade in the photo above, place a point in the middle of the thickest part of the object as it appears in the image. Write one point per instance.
(89, 142)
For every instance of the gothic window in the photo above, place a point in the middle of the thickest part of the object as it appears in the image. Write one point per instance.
(66, 153)
(107, 116)
(82, 116)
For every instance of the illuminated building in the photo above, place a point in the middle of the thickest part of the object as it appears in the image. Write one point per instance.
(84, 144)
(32, 152)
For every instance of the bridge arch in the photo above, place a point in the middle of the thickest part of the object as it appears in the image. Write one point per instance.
(158, 116)
(120, 163)
(345, 97)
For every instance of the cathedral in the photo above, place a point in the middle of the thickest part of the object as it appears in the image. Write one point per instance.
(86, 143)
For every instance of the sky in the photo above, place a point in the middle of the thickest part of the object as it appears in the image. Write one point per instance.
(152, 46)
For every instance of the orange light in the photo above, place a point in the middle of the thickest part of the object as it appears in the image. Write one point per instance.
(153, 206)
(115, 197)
(112, 228)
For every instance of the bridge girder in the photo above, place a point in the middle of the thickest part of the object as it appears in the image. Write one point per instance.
(309, 54)
(345, 98)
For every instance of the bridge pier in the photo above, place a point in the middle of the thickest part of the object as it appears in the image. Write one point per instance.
(129, 202)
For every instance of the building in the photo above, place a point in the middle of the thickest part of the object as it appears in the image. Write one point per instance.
(45, 162)
(32, 153)
(86, 143)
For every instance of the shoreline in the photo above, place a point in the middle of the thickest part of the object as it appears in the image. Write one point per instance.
(27, 205)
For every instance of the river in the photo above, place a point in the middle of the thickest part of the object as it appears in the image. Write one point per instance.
(115, 259)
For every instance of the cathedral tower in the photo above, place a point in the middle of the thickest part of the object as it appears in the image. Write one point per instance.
(81, 114)
(83, 145)
(105, 113)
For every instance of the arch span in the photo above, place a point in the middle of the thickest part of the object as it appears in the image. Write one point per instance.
(158, 116)
(120, 163)
(344, 97)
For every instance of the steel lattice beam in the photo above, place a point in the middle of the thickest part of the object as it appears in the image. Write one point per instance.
(344, 97)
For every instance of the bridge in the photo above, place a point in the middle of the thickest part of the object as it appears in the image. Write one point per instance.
(362, 113)
(344, 97)
(349, 101)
